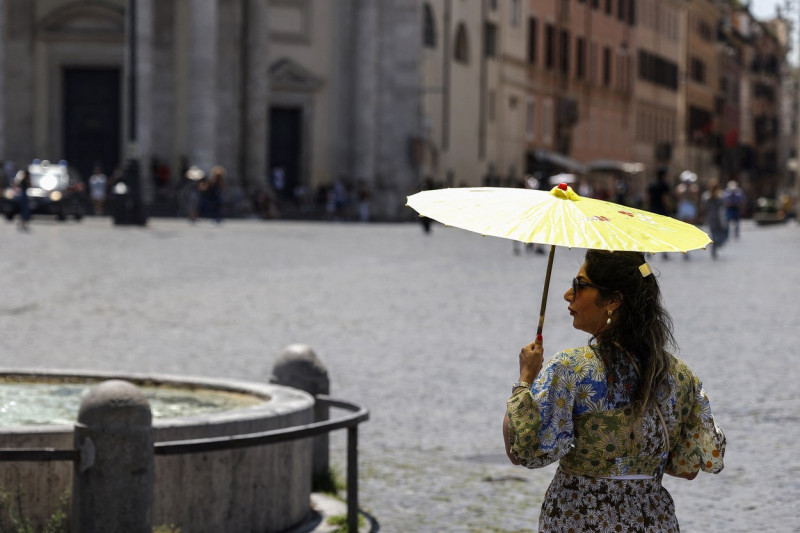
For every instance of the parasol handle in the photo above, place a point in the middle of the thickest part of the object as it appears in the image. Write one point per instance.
(546, 288)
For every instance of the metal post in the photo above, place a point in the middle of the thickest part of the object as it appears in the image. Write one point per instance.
(352, 478)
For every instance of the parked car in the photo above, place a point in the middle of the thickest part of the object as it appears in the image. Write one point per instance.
(769, 211)
(53, 191)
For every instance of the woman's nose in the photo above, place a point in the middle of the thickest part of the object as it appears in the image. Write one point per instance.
(568, 296)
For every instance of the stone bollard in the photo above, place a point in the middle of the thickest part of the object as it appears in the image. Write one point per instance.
(113, 482)
(299, 367)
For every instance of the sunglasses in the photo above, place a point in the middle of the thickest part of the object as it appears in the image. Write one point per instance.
(578, 284)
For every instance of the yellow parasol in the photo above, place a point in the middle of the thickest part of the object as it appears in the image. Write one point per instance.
(559, 217)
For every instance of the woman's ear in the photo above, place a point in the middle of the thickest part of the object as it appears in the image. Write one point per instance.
(614, 301)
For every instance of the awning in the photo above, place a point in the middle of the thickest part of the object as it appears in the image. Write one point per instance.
(560, 160)
(615, 166)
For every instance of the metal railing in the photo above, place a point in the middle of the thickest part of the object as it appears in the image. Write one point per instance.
(358, 414)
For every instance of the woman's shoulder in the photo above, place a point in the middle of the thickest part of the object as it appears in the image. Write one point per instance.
(682, 373)
(678, 366)
(575, 357)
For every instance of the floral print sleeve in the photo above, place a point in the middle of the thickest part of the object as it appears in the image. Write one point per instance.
(701, 444)
(540, 419)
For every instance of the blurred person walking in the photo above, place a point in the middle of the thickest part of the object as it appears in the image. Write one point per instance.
(714, 208)
(189, 194)
(659, 194)
(98, 187)
(734, 203)
(211, 194)
(22, 183)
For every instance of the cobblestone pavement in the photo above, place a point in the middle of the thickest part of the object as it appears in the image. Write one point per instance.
(422, 329)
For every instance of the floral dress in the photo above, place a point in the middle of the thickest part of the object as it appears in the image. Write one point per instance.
(611, 460)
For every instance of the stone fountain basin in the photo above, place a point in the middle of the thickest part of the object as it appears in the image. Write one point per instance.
(261, 488)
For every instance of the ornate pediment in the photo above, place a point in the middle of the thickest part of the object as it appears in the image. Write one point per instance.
(285, 75)
(84, 21)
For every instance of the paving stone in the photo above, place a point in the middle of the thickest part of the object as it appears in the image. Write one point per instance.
(424, 330)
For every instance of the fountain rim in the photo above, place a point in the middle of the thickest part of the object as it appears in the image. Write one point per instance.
(278, 399)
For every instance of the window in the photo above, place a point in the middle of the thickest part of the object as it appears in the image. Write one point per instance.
(516, 13)
(700, 125)
(623, 68)
(564, 49)
(609, 7)
(550, 46)
(595, 4)
(428, 26)
(580, 58)
(547, 121)
(489, 39)
(461, 52)
(658, 70)
(530, 120)
(621, 10)
(533, 36)
(606, 66)
(697, 70)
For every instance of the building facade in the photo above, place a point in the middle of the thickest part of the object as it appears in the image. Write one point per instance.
(325, 92)
(383, 97)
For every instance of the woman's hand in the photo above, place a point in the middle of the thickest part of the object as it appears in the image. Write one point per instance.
(531, 358)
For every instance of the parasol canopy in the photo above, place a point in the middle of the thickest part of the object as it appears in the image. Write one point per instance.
(559, 217)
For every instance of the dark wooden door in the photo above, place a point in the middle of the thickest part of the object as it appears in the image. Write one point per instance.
(92, 118)
(285, 144)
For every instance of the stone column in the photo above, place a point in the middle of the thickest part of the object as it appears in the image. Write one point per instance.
(398, 102)
(3, 20)
(202, 91)
(367, 50)
(299, 367)
(18, 82)
(144, 93)
(255, 94)
(113, 482)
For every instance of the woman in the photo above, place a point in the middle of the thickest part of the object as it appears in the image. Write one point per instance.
(714, 205)
(616, 414)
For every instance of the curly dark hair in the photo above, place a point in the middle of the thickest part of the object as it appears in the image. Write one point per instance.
(642, 329)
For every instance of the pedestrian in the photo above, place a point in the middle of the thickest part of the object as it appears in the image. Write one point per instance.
(98, 184)
(279, 180)
(22, 183)
(617, 414)
(190, 193)
(734, 203)
(714, 208)
(363, 202)
(426, 185)
(687, 193)
(659, 194)
(211, 194)
(621, 189)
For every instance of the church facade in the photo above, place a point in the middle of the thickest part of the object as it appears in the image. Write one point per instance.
(326, 91)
